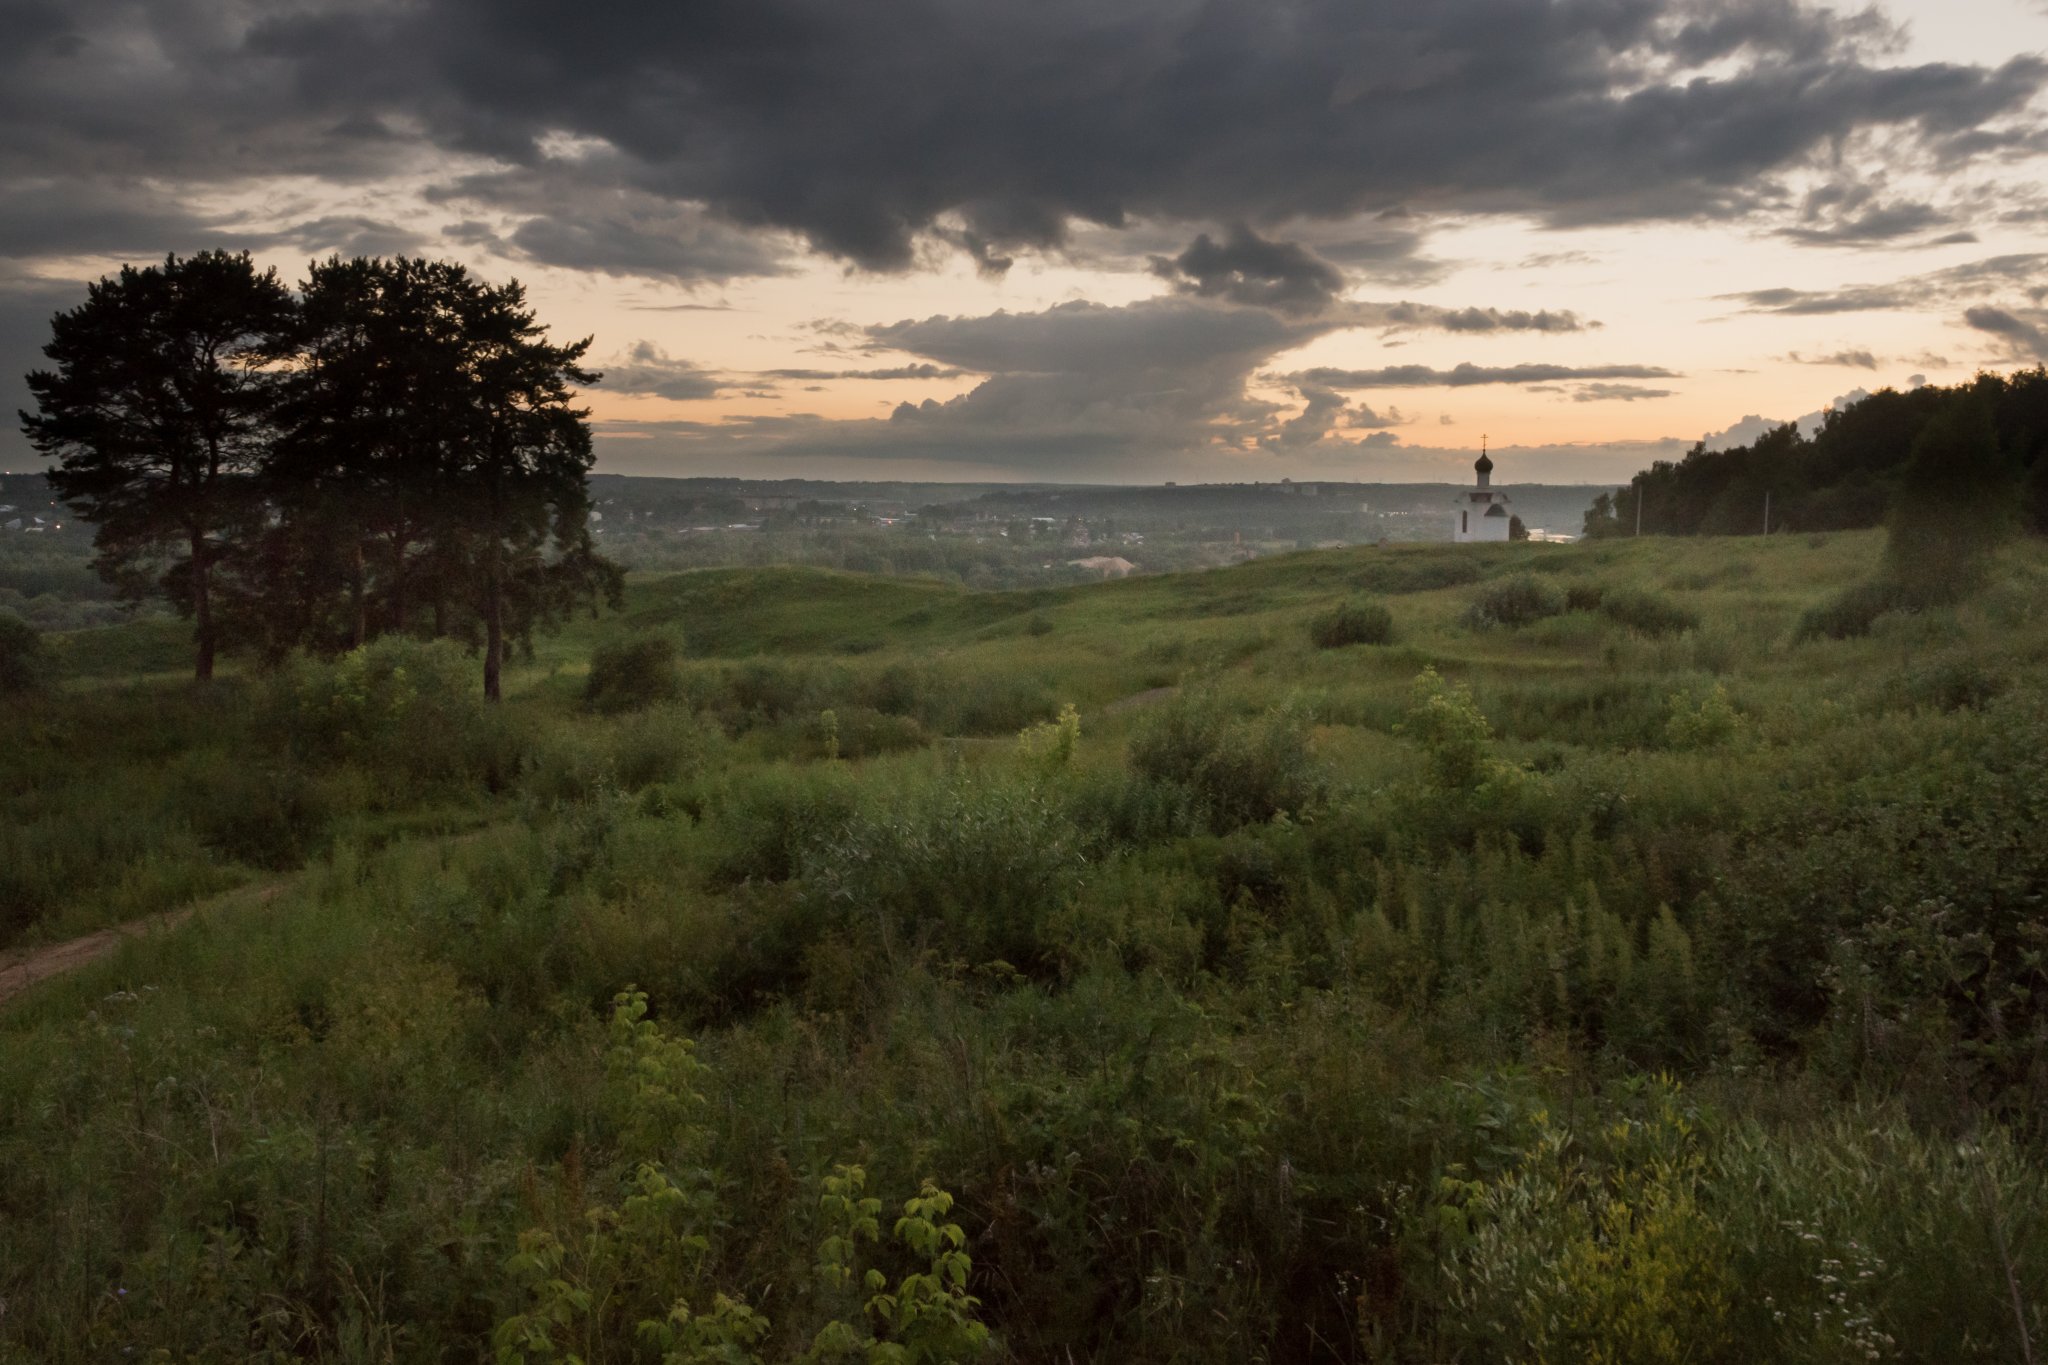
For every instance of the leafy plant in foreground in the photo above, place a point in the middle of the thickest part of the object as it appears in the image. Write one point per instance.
(580, 1294)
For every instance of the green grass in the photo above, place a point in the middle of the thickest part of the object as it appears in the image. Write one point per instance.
(1623, 989)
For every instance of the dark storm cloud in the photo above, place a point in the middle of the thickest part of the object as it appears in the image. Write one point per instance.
(1468, 374)
(647, 369)
(1248, 268)
(868, 128)
(61, 217)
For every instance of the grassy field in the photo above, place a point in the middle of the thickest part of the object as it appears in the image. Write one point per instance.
(1590, 971)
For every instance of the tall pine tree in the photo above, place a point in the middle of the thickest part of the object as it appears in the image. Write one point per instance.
(158, 411)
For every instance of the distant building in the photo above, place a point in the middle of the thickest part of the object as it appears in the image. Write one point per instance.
(1109, 566)
(1482, 513)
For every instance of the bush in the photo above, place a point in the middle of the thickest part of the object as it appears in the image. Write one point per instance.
(975, 870)
(1958, 684)
(1514, 602)
(1707, 724)
(1955, 505)
(1241, 771)
(630, 675)
(1648, 613)
(1353, 623)
(24, 664)
(1584, 597)
(769, 818)
(1851, 613)
(399, 707)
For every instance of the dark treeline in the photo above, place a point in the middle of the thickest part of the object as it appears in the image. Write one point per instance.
(1844, 477)
(391, 448)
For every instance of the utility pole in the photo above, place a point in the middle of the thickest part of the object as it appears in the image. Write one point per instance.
(1638, 486)
(1767, 511)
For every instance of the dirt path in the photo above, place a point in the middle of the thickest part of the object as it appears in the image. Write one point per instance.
(23, 969)
(1137, 699)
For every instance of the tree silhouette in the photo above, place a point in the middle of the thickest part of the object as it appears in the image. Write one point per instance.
(1957, 502)
(158, 413)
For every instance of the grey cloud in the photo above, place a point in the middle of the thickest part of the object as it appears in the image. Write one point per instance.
(1247, 268)
(26, 306)
(647, 369)
(2024, 337)
(349, 235)
(1422, 315)
(1322, 411)
(578, 216)
(1081, 337)
(69, 217)
(1616, 393)
(1467, 374)
(1916, 291)
(921, 371)
(1750, 428)
(1874, 225)
(1849, 358)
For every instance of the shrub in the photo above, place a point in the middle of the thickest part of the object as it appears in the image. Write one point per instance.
(976, 870)
(1514, 602)
(1955, 684)
(767, 821)
(1353, 623)
(1051, 743)
(1648, 613)
(397, 706)
(1241, 771)
(1955, 505)
(24, 663)
(863, 732)
(1706, 725)
(1584, 597)
(1850, 613)
(264, 815)
(629, 675)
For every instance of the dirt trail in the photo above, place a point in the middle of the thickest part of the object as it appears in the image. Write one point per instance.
(1138, 699)
(23, 969)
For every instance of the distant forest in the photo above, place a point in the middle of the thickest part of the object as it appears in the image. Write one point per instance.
(1843, 478)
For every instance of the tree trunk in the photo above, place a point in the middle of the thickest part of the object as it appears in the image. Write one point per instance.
(398, 603)
(494, 630)
(202, 609)
(359, 627)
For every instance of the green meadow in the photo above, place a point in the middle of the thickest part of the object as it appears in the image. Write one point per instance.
(1426, 953)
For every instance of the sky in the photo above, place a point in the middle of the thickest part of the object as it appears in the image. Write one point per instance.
(1112, 241)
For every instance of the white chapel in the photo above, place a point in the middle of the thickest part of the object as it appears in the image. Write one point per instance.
(1482, 513)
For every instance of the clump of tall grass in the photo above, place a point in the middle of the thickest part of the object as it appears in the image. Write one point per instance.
(397, 706)
(1512, 602)
(1240, 770)
(24, 663)
(1854, 610)
(630, 675)
(1352, 623)
(1648, 613)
